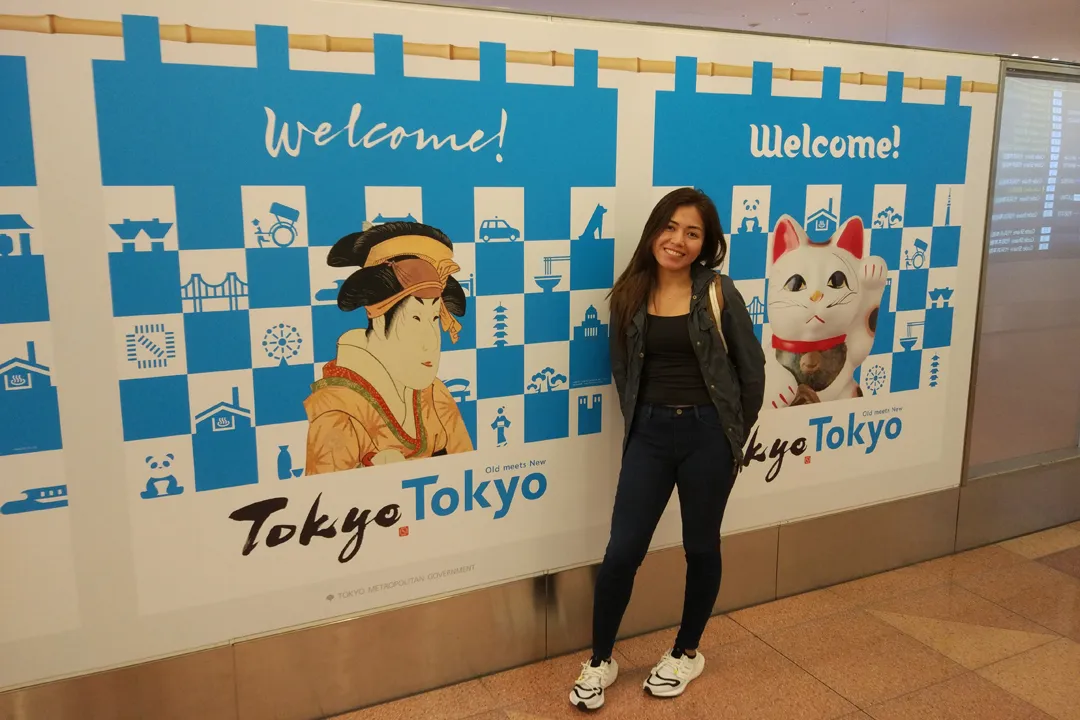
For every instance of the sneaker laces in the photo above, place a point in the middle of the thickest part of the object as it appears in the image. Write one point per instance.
(672, 663)
(591, 677)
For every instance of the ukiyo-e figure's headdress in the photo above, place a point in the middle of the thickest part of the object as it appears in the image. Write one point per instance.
(398, 260)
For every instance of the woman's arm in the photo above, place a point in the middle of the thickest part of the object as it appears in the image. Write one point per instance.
(744, 350)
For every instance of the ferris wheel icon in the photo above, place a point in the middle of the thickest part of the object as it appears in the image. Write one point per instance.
(282, 342)
(875, 379)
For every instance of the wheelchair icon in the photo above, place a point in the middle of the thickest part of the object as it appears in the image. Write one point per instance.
(915, 260)
(283, 232)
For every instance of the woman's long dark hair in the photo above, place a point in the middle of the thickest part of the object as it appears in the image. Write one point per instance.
(636, 282)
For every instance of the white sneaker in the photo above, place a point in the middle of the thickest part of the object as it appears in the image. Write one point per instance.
(671, 675)
(588, 692)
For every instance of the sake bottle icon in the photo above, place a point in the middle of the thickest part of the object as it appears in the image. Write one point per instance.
(285, 469)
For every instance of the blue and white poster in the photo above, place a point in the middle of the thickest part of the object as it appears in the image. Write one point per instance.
(334, 325)
(37, 585)
(845, 220)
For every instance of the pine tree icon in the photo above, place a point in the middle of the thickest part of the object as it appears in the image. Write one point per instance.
(934, 365)
(501, 326)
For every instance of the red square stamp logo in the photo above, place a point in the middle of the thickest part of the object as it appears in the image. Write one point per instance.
(403, 531)
(806, 460)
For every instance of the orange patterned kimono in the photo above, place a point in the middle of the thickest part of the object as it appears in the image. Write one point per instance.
(351, 423)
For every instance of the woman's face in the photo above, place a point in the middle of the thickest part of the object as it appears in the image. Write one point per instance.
(679, 244)
(410, 351)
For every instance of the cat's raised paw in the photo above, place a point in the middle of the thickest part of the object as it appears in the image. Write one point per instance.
(875, 272)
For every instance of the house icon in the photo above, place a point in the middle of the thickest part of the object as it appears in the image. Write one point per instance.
(24, 373)
(11, 225)
(822, 224)
(224, 416)
(29, 413)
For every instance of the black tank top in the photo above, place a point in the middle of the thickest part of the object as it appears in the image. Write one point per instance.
(671, 375)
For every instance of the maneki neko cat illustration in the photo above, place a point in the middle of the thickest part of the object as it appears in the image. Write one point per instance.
(823, 305)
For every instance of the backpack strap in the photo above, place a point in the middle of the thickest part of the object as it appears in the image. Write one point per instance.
(716, 300)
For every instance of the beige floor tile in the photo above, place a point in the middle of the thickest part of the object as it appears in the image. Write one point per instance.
(456, 702)
(1054, 604)
(1045, 677)
(514, 686)
(961, 625)
(1000, 585)
(1044, 543)
(973, 646)
(790, 611)
(645, 651)
(1066, 561)
(955, 603)
(751, 681)
(968, 697)
(862, 658)
(890, 584)
(972, 562)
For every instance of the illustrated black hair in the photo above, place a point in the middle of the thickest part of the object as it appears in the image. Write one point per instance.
(372, 285)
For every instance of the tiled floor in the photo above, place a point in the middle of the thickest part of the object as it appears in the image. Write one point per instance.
(992, 633)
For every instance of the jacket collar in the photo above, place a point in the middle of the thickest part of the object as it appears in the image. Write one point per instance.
(700, 277)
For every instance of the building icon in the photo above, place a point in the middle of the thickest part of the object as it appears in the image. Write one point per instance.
(590, 416)
(29, 412)
(224, 417)
(23, 295)
(591, 328)
(590, 356)
(822, 224)
(226, 453)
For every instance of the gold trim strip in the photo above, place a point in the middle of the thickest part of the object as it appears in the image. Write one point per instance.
(57, 25)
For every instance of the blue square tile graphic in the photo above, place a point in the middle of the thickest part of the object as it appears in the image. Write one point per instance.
(592, 264)
(913, 288)
(500, 268)
(145, 283)
(547, 317)
(328, 323)
(500, 372)
(280, 393)
(906, 371)
(225, 459)
(945, 247)
(887, 243)
(155, 407)
(938, 327)
(547, 416)
(29, 416)
(23, 294)
(278, 277)
(217, 341)
(748, 252)
(590, 361)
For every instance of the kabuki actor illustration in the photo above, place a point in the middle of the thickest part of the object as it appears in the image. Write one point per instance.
(823, 307)
(380, 400)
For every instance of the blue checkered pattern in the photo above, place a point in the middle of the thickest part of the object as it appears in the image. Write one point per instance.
(237, 277)
(908, 199)
(29, 409)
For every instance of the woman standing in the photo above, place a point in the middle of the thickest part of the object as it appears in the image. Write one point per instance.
(690, 373)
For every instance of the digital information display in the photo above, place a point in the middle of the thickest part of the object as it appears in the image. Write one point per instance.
(1036, 203)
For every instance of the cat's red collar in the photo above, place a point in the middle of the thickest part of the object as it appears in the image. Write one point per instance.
(805, 346)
